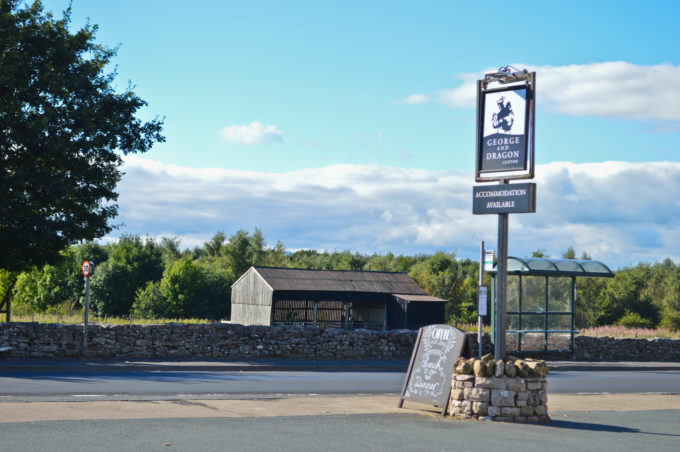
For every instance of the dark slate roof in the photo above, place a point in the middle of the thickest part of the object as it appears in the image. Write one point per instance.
(339, 281)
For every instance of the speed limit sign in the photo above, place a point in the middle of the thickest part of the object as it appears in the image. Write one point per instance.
(87, 268)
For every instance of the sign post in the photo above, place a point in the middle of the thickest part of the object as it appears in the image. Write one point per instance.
(87, 269)
(505, 151)
(481, 301)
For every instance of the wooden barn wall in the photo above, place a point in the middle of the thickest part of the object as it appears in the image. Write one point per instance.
(251, 300)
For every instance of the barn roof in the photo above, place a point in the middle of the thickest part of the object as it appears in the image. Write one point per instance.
(421, 298)
(294, 279)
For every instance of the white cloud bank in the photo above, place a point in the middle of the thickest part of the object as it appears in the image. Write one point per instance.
(253, 133)
(621, 213)
(611, 89)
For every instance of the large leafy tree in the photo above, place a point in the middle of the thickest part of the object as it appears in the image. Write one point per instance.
(63, 129)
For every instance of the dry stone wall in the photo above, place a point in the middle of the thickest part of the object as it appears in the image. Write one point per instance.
(223, 341)
(615, 349)
(588, 348)
(512, 390)
(218, 341)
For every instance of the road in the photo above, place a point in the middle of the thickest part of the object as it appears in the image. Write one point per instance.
(303, 410)
(157, 385)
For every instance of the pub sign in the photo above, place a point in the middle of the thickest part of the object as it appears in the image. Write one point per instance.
(505, 118)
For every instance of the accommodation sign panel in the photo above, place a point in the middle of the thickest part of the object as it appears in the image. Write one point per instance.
(429, 377)
(504, 198)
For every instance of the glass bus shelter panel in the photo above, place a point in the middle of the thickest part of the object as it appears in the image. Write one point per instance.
(533, 322)
(559, 294)
(512, 322)
(595, 267)
(516, 265)
(559, 323)
(512, 341)
(559, 341)
(533, 342)
(533, 294)
(513, 293)
(568, 266)
(541, 265)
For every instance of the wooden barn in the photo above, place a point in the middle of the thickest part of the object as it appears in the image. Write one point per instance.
(332, 299)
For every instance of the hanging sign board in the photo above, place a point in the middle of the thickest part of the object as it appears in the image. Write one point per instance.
(504, 198)
(505, 131)
(428, 379)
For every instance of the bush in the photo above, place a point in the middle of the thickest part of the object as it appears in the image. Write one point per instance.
(151, 304)
(671, 320)
(189, 289)
(634, 320)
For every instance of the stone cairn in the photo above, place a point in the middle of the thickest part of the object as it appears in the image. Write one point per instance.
(511, 390)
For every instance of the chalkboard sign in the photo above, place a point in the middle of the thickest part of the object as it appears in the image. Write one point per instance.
(428, 379)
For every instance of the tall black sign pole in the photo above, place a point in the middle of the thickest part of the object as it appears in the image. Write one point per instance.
(87, 269)
(480, 336)
(501, 284)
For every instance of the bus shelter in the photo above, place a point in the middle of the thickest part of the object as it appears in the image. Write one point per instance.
(541, 299)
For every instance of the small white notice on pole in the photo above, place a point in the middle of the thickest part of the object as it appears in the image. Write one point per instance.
(482, 300)
(488, 260)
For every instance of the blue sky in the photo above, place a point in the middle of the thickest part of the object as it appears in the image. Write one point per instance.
(350, 125)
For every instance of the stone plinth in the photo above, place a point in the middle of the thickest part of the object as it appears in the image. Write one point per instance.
(512, 391)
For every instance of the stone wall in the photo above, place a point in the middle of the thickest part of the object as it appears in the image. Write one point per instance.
(613, 349)
(217, 341)
(514, 390)
(590, 348)
(34, 340)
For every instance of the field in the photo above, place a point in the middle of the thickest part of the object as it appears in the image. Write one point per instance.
(600, 331)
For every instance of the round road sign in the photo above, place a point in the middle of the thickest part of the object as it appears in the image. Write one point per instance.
(87, 268)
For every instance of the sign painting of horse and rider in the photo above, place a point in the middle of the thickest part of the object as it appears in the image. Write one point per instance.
(505, 129)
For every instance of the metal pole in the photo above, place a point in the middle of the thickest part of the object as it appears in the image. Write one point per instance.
(501, 284)
(85, 314)
(479, 317)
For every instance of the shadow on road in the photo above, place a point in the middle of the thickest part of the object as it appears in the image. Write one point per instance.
(593, 427)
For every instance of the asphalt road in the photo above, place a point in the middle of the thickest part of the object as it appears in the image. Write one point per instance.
(154, 385)
(164, 385)
(234, 423)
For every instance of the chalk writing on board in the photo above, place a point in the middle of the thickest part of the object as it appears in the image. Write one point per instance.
(429, 379)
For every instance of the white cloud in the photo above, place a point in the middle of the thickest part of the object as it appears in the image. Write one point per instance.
(619, 212)
(611, 89)
(414, 99)
(253, 133)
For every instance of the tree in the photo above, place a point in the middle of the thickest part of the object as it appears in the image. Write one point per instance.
(570, 253)
(131, 264)
(441, 276)
(243, 250)
(62, 130)
(627, 293)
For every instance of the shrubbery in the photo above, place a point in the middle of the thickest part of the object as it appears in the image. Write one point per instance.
(146, 279)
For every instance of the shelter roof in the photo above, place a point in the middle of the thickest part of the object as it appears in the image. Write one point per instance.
(556, 267)
(294, 279)
(422, 298)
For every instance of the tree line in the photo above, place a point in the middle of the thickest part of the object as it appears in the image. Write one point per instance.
(138, 277)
